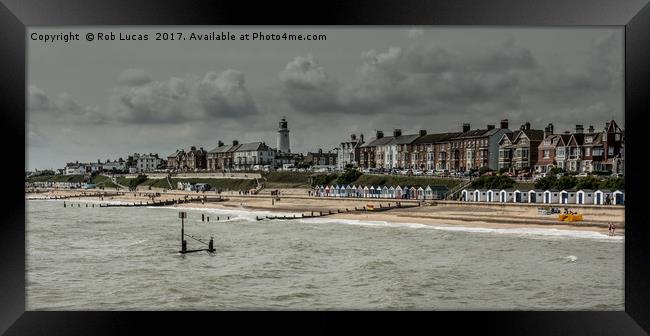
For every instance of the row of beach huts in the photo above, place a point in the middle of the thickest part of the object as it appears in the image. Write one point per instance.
(67, 185)
(584, 196)
(398, 192)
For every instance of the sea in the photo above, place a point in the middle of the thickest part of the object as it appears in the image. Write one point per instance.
(84, 257)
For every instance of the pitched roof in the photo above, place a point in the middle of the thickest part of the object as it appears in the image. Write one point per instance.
(378, 142)
(534, 135)
(222, 149)
(439, 137)
(404, 139)
(176, 153)
(251, 146)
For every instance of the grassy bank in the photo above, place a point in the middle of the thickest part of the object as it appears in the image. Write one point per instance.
(99, 180)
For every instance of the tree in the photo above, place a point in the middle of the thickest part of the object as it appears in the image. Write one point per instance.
(565, 182)
(556, 170)
(546, 183)
(484, 170)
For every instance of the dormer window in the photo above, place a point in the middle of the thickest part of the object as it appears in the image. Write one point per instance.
(589, 139)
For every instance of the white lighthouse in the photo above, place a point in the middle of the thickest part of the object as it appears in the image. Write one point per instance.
(283, 136)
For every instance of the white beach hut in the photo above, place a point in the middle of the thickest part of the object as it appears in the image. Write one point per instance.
(601, 196)
(535, 196)
(371, 192)
(619, 197)
(585, 196)
(506, 196)
(366, 192)
(466, 195)
(384, 192)
(520, 196)
(391, 192)
(480, 195)
(399, 192)
(428, 193)
(551, 197)
(568, 196)
(493, 195)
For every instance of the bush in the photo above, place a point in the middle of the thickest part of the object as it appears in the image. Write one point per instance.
(613, 183)
(349, 175)
(556, 170)
(565, 183)
(588, 182)
(546, 183)
(137, 181)
(484, 170)
(323, 179)
(493, 182)
(502, 170)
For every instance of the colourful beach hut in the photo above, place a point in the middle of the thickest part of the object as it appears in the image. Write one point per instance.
(359, 191)
(384, 192)
(601, 196)
(413, 193)
(391, 192)
(568, 196)
(551, 197)
(619, 197)
(399, 192)
(428, 193)
(328, 191)
(585, 196)
(420, 193)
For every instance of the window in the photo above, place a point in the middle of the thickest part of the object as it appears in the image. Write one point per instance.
(587, 151)
(547, 153)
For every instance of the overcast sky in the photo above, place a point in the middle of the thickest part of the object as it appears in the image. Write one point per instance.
(99, 100)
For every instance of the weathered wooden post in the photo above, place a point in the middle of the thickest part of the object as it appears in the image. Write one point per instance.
(64, 204)
(182, 215)
(202, 217)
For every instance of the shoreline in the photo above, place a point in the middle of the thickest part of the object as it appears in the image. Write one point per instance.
(441, 213)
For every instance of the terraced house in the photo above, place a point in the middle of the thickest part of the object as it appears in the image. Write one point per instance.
(430, 151)
(551, 152)
(370, 157)
(349, 152)
(519, 149)
(477, 148)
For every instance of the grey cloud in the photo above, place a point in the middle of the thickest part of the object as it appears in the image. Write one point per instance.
(220, 95)
(307, 87)
(133, 77)
(62, 108)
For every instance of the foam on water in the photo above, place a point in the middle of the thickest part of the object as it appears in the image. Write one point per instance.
(249, 215)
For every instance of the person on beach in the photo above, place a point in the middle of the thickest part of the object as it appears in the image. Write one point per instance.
(613, 229)
(610, 229)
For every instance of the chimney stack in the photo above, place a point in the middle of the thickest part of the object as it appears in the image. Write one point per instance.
(423, 132)
(193, 148)
(606, 126)
(220, 143)
(353, 137)
(548, 130)
(504, 123)
(527, 126)
(466, 127)
(361, 137)
(522, 127)
(397, 132)
(579, 129)
(379, 135)
(235, 142)
(490, 127)
(591, 128)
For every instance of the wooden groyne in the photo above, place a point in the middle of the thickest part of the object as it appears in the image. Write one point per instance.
(167, 202)
(315, 214)
(56, 197)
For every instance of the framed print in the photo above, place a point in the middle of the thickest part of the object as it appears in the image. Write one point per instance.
(451, 161)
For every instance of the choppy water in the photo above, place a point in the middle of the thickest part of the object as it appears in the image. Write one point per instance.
(126, 259)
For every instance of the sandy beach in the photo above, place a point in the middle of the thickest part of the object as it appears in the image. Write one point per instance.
(494, 215)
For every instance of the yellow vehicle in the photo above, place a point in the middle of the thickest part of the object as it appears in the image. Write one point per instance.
(570, 217)
(370, 207)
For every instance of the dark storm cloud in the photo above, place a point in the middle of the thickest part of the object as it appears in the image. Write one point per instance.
(422, 80)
